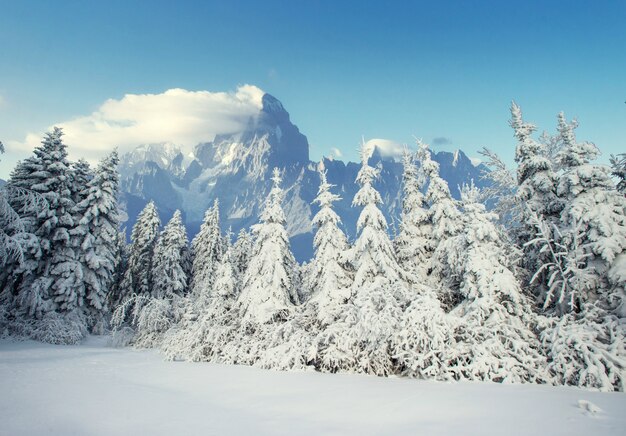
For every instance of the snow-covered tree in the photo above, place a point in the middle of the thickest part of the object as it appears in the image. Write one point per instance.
(618, 165)
(95, 236)
(413, 243)
(14, 234)
(115, 296)
(268, 293)
(50, 277)
(361, 337)
(424, 342)
(447, 222)
(81, 174)
(502, 191)
(207, 249)
(209, 336)
(586, 272)
(536, 193)
(535, 175)
(495, 336)
(329, 272)
(169, 277)
(592, 227)
(138, 275)
(242, 249)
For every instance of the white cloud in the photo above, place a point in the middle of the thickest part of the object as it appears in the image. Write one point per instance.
(182, 117)
(387, 147)
(336, 153)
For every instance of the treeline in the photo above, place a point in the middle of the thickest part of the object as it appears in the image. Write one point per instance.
(531, 291)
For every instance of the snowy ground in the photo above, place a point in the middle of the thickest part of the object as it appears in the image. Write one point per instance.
(95, 390)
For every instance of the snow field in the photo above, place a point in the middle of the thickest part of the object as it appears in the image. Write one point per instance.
(93, 389)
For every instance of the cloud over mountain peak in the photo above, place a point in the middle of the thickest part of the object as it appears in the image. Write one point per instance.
(177, 115)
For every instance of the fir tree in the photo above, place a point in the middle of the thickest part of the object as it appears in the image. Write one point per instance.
(361, 338)
(50, 277)
(241, 252)
(494, 324)
(96, 236)
(168, 267)
(413, 244)
(138, 276)
(81, 175)
(207, 249)
(329, 271)
(618, 165)
(585, 336)
(447, 222)
(536, 193)
(268, 294)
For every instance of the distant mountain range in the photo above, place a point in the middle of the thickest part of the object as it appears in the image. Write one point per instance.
(235, 169)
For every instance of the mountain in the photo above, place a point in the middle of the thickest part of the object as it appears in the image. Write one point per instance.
(235, 169)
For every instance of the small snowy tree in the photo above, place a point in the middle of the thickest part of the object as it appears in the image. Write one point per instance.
(447, 222)
(413, 244)
(168, 266)
(136, 286)
(268, 294)
(207, 249)
(329, 272)
(241, 253)
(494, 331)
(215, 328)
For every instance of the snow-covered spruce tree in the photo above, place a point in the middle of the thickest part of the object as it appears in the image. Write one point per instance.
(207, 249)
(361, 338)
(14, 240)
(14, 234)
(502, 192)
(447, 222)
(46, 285)
(618, 165)
(294, 344)
(95, 237)
(209, 335)
(413, 243)
(81, 175)
(536, 193)
(115, 296)
(535, 175)
(136, 286)
(494, 323)
(423, 340)
(168, 266)
(267, 294)
(587, 276)
(596, 211)
(55, 281)
(157, 312)
(242, 248)
(329, 272)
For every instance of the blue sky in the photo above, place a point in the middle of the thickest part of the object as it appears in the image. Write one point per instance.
(342, 69)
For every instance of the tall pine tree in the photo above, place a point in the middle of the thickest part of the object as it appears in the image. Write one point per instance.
(95, 236)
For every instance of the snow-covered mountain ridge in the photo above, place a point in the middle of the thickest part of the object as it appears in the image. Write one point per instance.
(236, 169)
